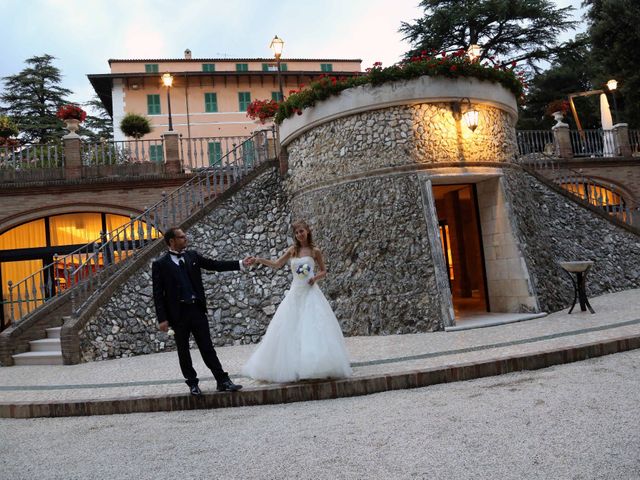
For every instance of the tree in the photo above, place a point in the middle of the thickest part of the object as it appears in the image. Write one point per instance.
(134, 125)
(510, 30)
(571, 71)
(32, 97)
(99, 126)
(615, 37)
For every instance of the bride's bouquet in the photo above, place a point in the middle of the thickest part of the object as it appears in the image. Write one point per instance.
(303, 270)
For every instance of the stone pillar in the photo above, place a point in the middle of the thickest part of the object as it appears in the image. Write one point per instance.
(621, 139)
(562, 140)
(72, 157)
(172, 152)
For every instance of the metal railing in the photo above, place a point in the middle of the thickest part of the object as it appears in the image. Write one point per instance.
(204, 152)
(634, 142)
(122, 152)
(593, 143)
(598, 194)
(28, 157)
(85, 270)
(535, 141)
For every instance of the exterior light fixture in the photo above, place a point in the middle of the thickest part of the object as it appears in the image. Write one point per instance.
(277, 44)
(474, 51)
(612, 84)
(167, 80)
(470, 115)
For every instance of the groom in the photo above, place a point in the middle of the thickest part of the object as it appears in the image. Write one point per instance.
(179, 299)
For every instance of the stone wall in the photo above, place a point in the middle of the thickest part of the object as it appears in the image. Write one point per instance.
(255, 221)
(374, 238)
(397, 137)
(553, 228)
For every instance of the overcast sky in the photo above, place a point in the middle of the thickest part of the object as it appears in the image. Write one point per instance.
(84, 34)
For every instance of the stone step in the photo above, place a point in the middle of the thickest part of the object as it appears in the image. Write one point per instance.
(38, 358)
(54, 332)
(46, 345)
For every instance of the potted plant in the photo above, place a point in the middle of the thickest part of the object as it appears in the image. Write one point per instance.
(135, 126)
(262, 110)
(71, 115)
(557, 109)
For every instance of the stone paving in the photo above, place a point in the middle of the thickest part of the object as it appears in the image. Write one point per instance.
(157, 376)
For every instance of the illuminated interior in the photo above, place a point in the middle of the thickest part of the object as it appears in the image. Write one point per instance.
(27, 248)
(599, 196)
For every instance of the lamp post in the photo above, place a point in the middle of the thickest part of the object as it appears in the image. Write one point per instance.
(167, 80)
(612, 85)
(277, 44)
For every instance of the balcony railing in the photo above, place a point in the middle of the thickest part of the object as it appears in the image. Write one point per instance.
(204, 152)
(87, 268)
(31, 162)
(122, 152)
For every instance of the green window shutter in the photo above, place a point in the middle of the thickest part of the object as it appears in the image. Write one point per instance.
(151, 68)
(156, 154)
(210, 102)
(242, 67)
(248, 153)
(214, 150)
(265, 67)
(208, 67)
(153, 105)
(326, 67)
(283, 67)
(244, 99)
(276, 96)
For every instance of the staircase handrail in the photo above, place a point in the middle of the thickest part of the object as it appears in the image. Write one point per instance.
(114, 247)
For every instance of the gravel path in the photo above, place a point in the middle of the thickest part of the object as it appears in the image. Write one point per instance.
(575, 421)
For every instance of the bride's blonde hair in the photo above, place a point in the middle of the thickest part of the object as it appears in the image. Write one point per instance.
(296, 243)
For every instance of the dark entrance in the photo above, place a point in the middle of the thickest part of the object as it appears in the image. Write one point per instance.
(457, 209)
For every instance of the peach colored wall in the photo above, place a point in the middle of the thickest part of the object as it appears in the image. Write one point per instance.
(188, 95)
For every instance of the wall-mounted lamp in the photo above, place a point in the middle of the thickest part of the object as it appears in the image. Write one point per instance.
(612, 84)
(469, 115)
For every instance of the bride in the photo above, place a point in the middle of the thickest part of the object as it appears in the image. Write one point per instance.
(304, 339)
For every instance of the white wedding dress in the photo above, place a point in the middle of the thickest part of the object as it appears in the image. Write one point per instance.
(303, 340)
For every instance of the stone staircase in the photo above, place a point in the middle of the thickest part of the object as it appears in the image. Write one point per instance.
(47, 351)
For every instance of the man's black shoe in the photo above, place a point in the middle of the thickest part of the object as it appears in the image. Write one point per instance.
(228, 386)
(195, 390)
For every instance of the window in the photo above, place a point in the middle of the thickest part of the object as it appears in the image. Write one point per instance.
(151, 68)
(156, 153)
(248, 153)
(153, 105)
(242, 67)
(276, 96)
(210, 102)
(214, 150)
(326, 67)
(269, 67)
(283, 67)
(208, 67)
(244, 99)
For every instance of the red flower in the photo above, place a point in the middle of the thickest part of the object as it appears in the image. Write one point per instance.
(70, 111)
(262, 109)
(453, 68)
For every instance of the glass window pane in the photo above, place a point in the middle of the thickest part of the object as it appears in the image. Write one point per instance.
(30, 293)
(75, 228)
(151, 68)
(27, 235)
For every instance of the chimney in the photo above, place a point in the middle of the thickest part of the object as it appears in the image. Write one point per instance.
(187, 54)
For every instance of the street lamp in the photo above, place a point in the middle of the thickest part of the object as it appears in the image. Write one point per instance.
(612, 85)
(474, 51)
(277, 44)
(167, 80)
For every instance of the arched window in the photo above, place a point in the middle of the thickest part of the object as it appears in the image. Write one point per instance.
(26, 249)
(598, 195)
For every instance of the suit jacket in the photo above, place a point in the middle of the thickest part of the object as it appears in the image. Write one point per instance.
(165, 275)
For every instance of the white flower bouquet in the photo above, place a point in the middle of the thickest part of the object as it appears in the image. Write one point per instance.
(303, 270)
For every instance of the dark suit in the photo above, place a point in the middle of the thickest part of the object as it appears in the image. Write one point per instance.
(187, 314)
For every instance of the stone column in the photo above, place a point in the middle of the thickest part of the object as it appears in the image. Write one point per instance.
(562, 140)
(72, 157)
(621, 139)
(172, 152)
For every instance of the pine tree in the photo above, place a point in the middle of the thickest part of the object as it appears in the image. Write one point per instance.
(99, 126)
(32, 97)
(509, 30)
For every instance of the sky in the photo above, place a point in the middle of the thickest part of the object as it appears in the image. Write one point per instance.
(84, 34)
